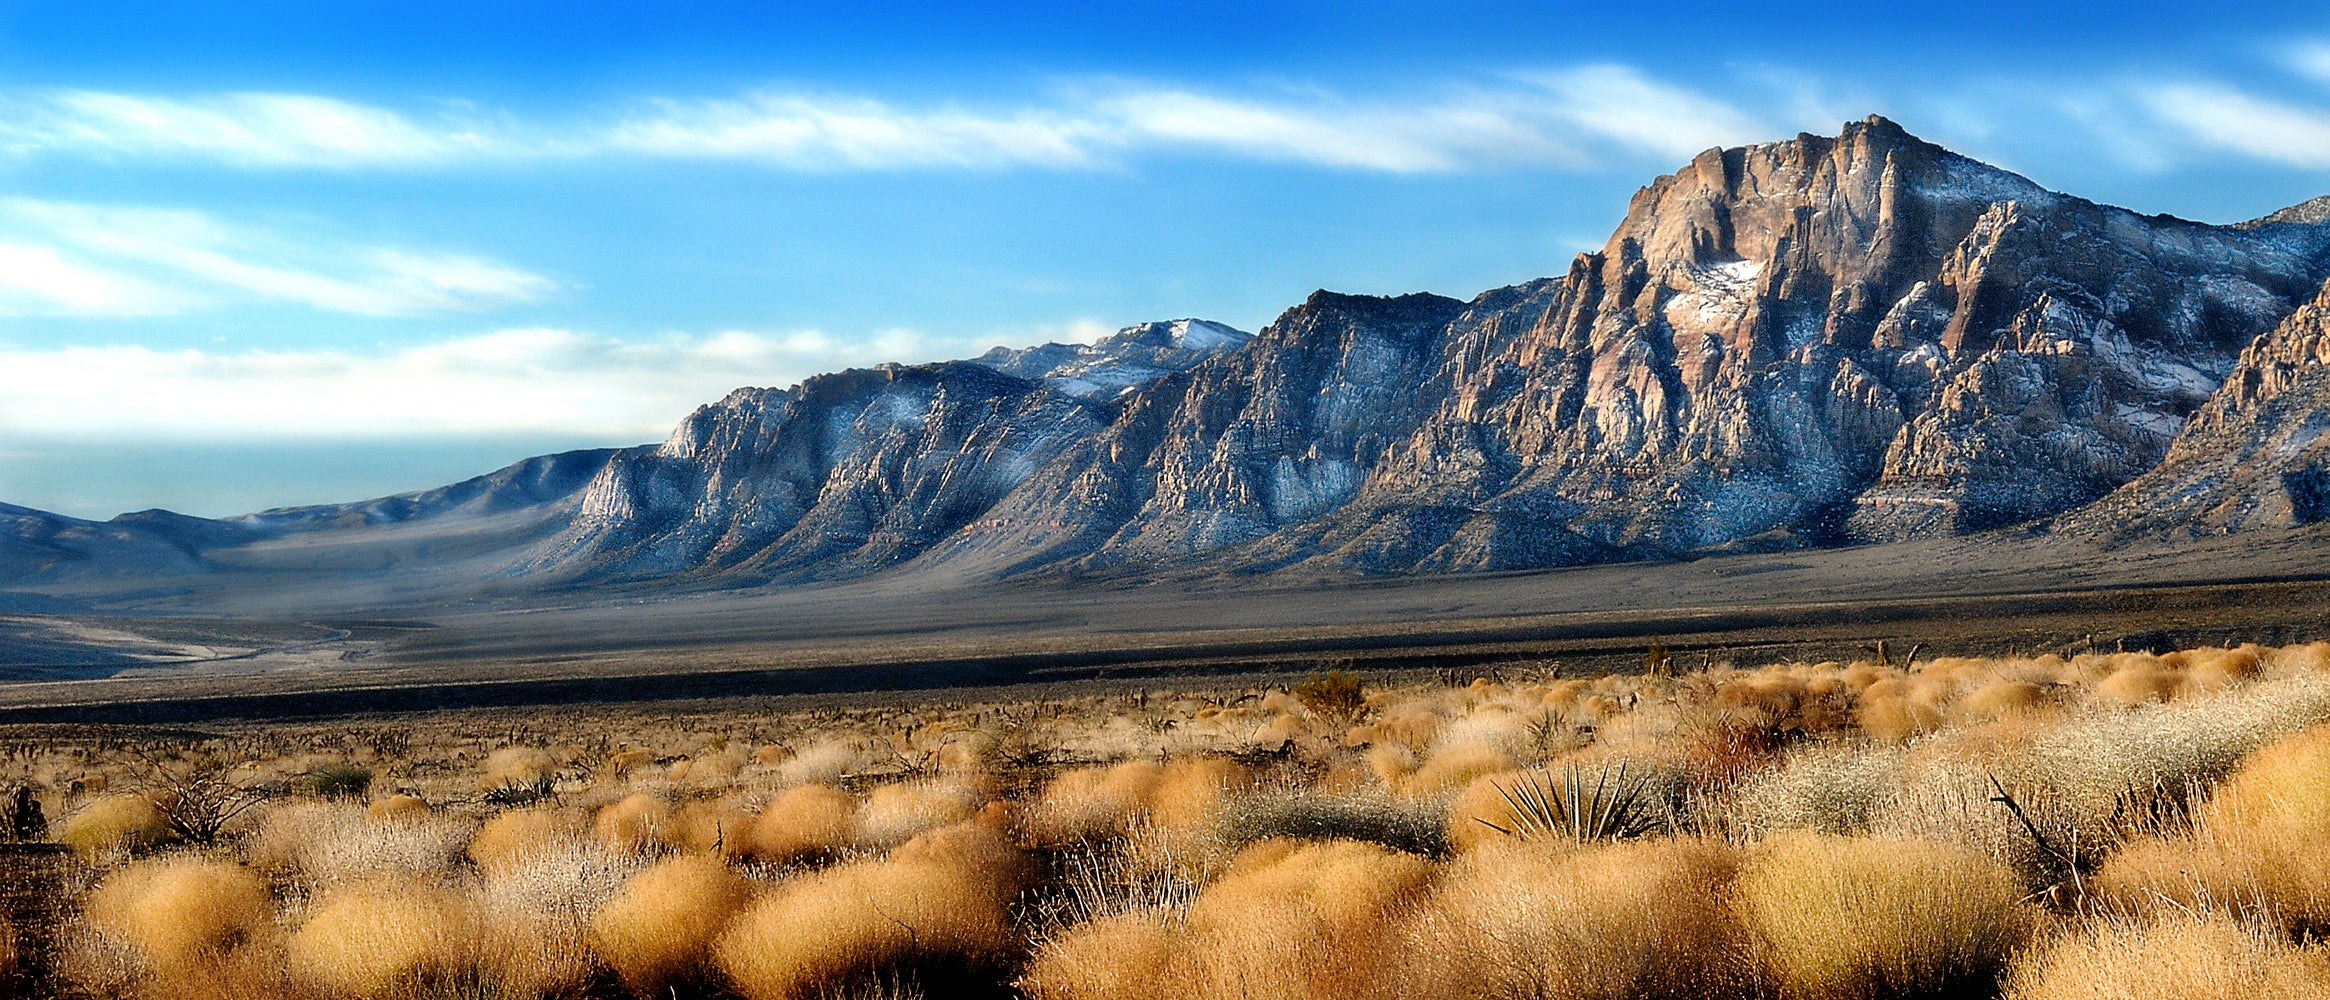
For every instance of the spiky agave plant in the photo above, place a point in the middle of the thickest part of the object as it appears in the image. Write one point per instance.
(1610, 806)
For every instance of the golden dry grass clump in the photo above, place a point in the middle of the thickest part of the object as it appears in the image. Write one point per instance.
(938, 907)
(1192, 792)
(2256, 848)
(639, 823)
(181, 911)
(372, 940)
(804, 821)
(507, 841)
(114, 824)
(1640, 919)
(2284, 787)
(1852, 917)
(712, 826)
(897, 812)
(515, 766)
(398, 808)
(1091, 802)
(2176, 958)
(1286, 920)
(658, 931)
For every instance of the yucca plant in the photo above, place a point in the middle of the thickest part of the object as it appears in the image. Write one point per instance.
(1610, 806)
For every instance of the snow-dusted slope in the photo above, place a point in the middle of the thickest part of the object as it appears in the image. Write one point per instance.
(1130, 357)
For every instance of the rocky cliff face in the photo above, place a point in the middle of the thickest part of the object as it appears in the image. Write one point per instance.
(844, 474)
(2256, 456)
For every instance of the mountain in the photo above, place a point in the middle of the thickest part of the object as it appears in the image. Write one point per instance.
(1817, 341)
(1820, 341)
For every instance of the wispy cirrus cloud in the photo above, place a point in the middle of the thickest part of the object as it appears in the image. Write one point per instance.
(1559, 118)
(236, 129)
(2222, 117)
(516, 381)
(845, 133)
(104, 260)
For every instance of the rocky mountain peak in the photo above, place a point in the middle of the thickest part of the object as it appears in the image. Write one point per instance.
(1131, 356)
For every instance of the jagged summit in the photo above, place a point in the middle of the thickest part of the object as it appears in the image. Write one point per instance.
(1127, 358)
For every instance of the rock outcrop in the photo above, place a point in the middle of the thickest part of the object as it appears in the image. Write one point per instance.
(2257, 456)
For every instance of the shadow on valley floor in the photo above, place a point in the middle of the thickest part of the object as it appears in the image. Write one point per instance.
(546, 657)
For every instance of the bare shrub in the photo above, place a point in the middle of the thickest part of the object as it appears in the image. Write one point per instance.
(1833, 788)
(182, 911)
(2179, 956)
(200, 789)
(937, 907)
(1852, 917)
(318, 845)
(657, 932)
(1336, 695)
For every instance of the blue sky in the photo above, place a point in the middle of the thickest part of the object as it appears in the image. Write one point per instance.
(271, 253)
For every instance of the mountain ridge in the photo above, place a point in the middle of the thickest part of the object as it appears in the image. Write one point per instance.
(1816, 341)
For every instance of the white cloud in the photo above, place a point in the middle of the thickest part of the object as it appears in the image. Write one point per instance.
(38, 280)
(242, 129)
(85, 259)
(850, 133)
(1552, 119)
(1621, 105)
(518, 381)
(2310, 59)
(1555, 118)
(2222, 117)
